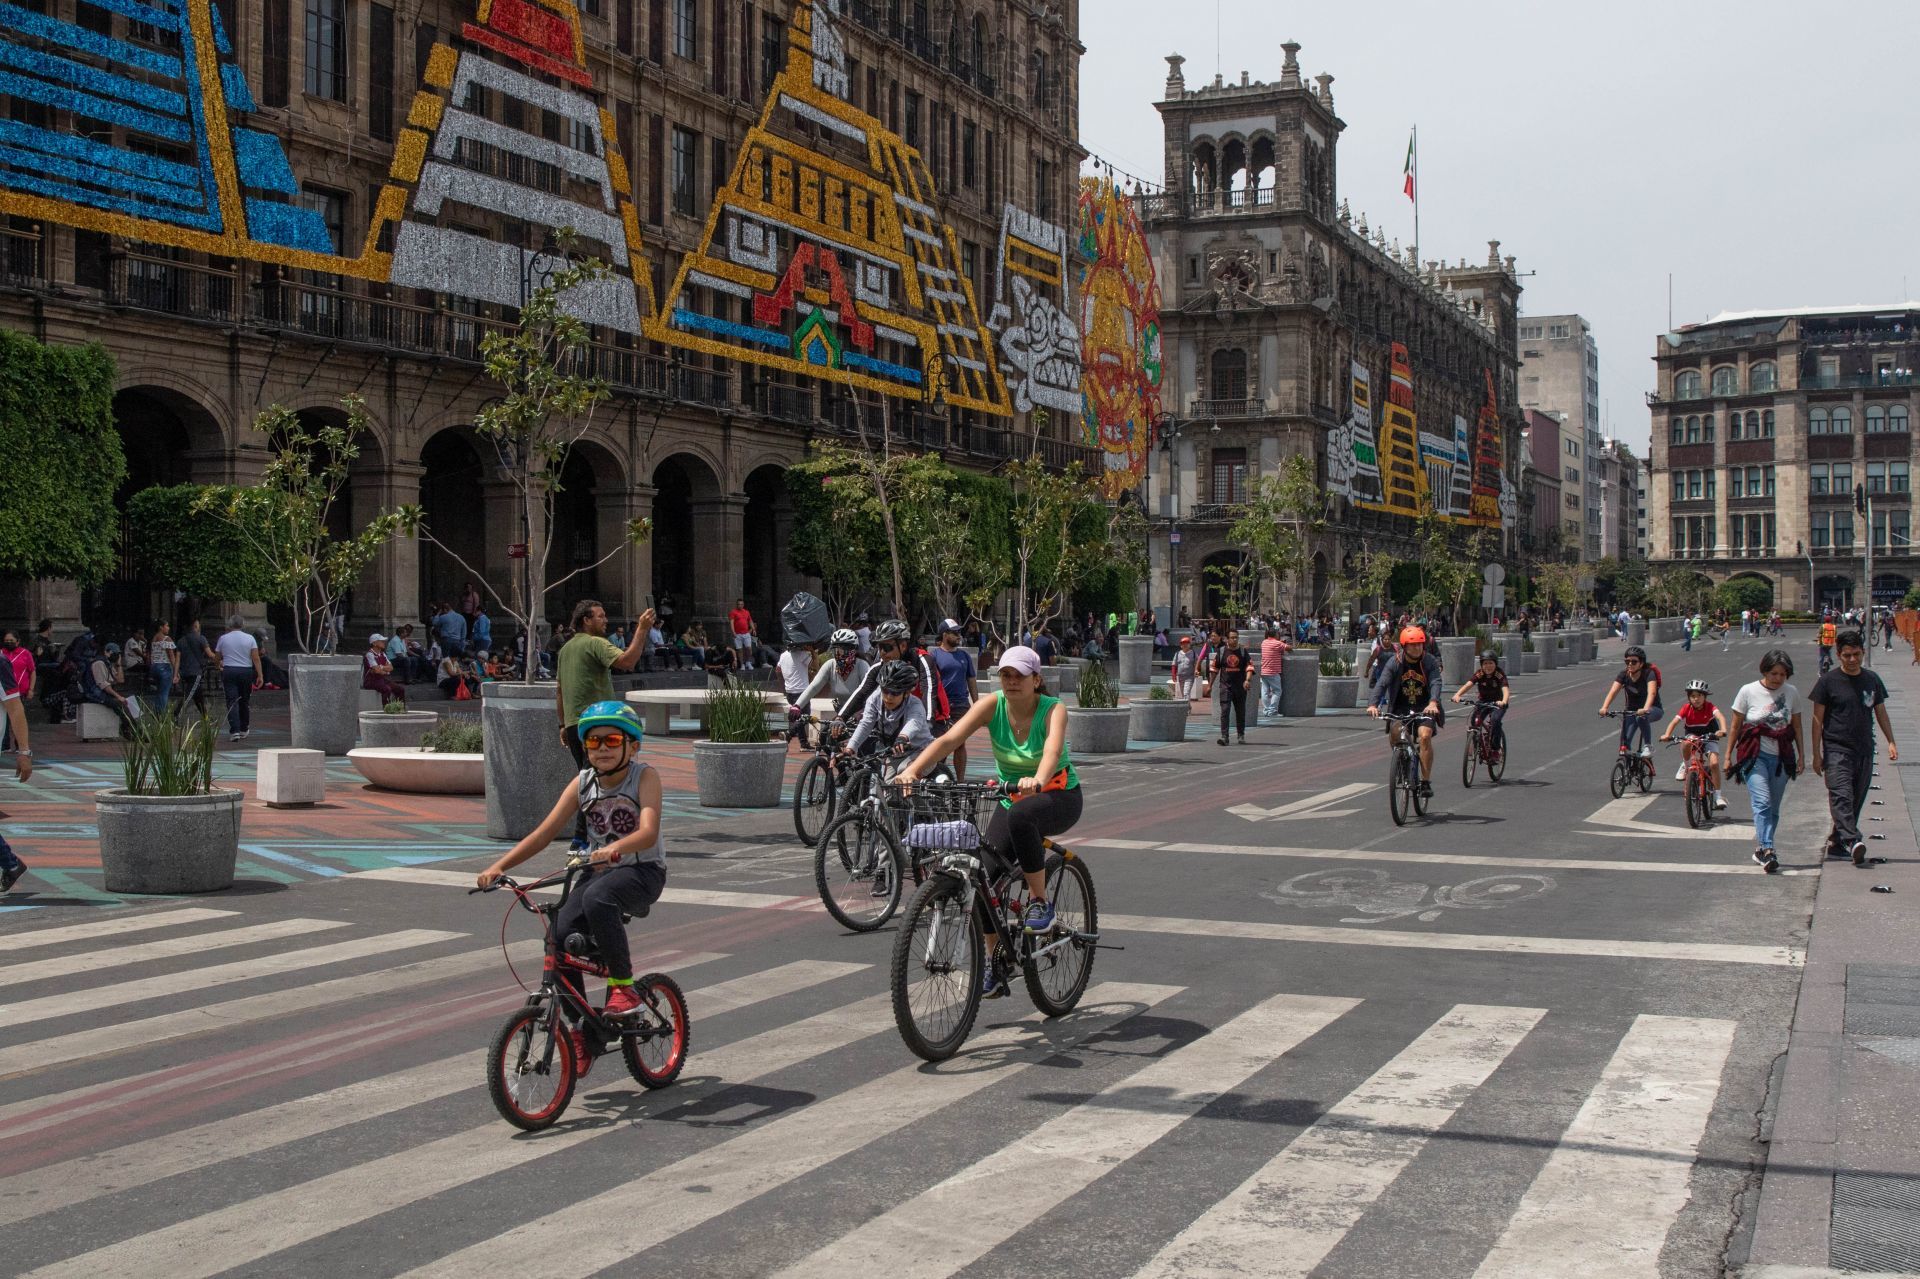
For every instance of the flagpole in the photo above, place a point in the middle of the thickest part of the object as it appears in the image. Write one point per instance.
(1416, 197)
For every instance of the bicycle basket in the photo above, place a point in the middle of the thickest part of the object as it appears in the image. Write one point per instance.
(945, 836)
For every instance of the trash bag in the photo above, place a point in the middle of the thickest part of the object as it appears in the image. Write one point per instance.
(805, 620)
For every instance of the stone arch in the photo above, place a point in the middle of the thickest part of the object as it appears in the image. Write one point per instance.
(1204, 176)
(589, 517)
(767, 528)
(1260, 160)
(1233, 163)
(197, 407)
(457, 469)
(696, 539)
(1216, 580)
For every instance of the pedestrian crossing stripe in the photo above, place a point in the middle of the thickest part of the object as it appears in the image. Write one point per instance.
(94, 930)
(125, 957)
(1616, 1181)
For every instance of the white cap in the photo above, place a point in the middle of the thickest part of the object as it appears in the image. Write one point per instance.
(1020, 658)
(375, 638)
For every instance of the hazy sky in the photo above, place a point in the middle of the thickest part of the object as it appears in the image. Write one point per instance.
(1760, 152)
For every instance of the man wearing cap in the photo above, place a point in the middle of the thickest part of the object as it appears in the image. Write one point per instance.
(958, 677)
(1185, 663)
(377, 674)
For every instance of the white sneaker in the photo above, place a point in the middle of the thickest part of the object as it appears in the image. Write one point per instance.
(1680, 773)
(1719, 800)
(1646, 752)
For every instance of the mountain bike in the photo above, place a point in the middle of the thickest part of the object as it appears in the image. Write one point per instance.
(861, 862)
(1481, 750)
(1403, 771)
(531, 1067)
(816, 795)
(1631, 768)
(974, 893)
(1698, 786)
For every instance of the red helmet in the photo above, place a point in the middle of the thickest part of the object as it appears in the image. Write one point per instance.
(1413, 635)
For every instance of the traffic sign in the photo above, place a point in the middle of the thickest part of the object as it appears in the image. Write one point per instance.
(1174, 537)
(1494, 574)
(1493, 597)
(517, 551)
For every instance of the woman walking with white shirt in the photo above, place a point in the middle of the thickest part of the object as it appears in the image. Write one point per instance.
(1766, 747)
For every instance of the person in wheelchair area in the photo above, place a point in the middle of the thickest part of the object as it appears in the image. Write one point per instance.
(896, 720)
(620, 796)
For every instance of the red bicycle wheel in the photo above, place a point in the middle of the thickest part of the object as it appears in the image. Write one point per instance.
(657, 1051)
(530, 1082)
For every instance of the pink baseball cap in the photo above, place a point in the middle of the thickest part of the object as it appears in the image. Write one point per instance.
(1020, 658)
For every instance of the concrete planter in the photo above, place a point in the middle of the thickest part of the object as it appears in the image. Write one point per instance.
(1300, 684)
(1456, 657)
(1511, 654)
(1547, 651)
(1530, 663)
(1636, 632)
(168, 843)
(1339, 692)
(377, 728)
(1156, 721)
(1136, 659)
(527, 764)
(422, 772)
(1062, 678)
(739, 774)
(1099, 732)
(324, 694)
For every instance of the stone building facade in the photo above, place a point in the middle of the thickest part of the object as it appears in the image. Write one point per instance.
(1277, 305)
(1764, 425)
(357, 132)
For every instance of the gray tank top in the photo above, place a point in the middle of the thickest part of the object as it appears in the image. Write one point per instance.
(615, 813)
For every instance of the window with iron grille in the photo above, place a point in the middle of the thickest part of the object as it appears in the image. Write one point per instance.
(686, 170)
(1229, 475)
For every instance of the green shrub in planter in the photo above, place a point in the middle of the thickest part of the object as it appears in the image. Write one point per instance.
(1334, 662)
(1482, 640)
(395, 707)
(1097, 692)
(1526, 644)
(454, 735)
(737, 712)
(164, 755)
(1159, 693)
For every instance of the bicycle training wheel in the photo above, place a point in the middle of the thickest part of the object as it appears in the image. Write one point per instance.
(530, 1069)
(655, 1053)
(1057, 979)
(937, 959)
(1469, 760)
(1622, 773)
(813, 800)
(857, 868)
(1399, 788)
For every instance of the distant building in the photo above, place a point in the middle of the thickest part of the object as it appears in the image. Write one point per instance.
(1764, 424)
(1643, 479)
(1550, 533)
(1620, 501)
(1560, 374)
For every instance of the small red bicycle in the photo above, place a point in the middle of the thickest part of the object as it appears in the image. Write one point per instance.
(1698, 782)
(531, 1068)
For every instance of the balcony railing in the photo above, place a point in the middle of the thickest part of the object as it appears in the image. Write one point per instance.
(1202, 204)
(792, 404)
(1226, 408)
(20, 254)
(1854, 381)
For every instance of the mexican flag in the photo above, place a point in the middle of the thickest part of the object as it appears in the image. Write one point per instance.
(1411, 138)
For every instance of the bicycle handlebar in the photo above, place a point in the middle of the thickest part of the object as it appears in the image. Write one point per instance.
(1626, 714)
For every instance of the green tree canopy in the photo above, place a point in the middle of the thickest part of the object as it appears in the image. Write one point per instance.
(63, 459)
(1743, 592)
(181, 540)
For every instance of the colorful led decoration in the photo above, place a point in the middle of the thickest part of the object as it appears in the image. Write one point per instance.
(1492, 494)
(1039, 340)
(1353, 459)
(834, 270)
(1404, 481)
(1120, 326)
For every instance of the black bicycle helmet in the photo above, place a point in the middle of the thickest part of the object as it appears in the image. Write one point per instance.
(892, 632)
(1491, 655)
(1636, 651)
(898, 677)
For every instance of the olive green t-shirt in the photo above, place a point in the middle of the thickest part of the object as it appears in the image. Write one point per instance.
(585, 668)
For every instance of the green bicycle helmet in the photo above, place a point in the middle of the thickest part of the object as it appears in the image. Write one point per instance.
(612, 715)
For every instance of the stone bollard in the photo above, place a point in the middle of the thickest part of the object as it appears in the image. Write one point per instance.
(1636, 633)
(324, 693)
(1456, 659)
(1300, 684)
(1136, 659)
(291, 778)
(1512, 645)
(527, 763)
(1548, 650)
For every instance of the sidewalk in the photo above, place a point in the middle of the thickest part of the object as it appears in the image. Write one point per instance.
(1841, 1192)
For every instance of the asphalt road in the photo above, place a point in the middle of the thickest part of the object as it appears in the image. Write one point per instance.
(1531, 1035)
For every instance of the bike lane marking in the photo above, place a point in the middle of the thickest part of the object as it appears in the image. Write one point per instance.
(951, 1225)
(1285, 1218)
(1435, 859)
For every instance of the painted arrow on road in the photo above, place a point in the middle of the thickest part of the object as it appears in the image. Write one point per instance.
(1621, 817)
(1316, 806)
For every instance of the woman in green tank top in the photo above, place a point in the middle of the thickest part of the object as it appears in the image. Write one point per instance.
(1028, 729)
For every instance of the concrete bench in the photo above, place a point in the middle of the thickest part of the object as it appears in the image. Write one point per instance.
(657, 705)
(292, 778)
(96, 723)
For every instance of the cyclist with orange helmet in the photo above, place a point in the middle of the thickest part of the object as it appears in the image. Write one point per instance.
(1409, 684)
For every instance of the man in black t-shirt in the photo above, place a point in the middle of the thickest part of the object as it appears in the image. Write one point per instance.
(1230, 681)
(1846, 703)
(1489, 682)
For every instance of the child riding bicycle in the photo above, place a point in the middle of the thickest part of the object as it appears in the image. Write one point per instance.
(1702, 720)
(621, 799)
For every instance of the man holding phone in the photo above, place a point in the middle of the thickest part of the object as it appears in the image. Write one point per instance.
(583, 674)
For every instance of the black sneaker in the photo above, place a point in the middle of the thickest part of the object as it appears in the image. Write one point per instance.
(1765, 860)
(1860, 853)
(1223, 739)
(882, 881)
(1426, 790)
(11, 877)
(991, 987)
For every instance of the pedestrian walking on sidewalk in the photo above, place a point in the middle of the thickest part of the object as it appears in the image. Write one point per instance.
(1230, 667)
(160, 665)
(196, 667)
(1273, 658)
(240, 674)
(1766, 748)
(1185, 665)
(1847, 702)
(15, 712)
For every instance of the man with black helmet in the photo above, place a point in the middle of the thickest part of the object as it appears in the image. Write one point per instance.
(896, 720)
(893, 640)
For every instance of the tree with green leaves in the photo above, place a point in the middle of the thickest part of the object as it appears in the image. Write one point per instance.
(956, 528)
(1062, 531)
(837, 535)
(546, 407)
(1370, 572)
(1557, 582)
(63, 459)
(1276, 526)
(284, 520)
(184, 542)
(1737, 593)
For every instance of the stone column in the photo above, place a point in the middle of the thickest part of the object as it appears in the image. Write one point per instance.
(619, 589)
(388, 593)
(1300, 684)
(636, 567)
(719, 529)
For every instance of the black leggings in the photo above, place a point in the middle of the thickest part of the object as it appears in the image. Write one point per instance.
(1016, 832)
(595, 906)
